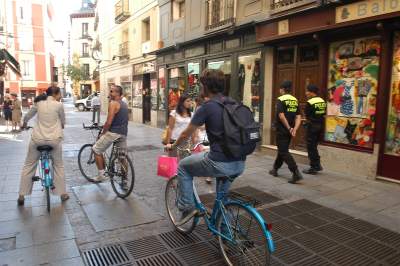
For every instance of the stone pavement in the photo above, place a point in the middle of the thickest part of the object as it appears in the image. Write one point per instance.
(30, 236)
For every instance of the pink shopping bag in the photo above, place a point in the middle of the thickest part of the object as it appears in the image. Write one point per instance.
(167, 166)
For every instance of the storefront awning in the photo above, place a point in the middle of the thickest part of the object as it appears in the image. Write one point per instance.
(10, 61)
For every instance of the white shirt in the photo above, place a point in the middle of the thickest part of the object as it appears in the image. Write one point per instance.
(95, 101)
(181, 124)
(50, 119)
(125, 100)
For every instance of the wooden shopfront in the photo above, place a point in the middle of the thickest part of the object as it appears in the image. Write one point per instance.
(356, 63)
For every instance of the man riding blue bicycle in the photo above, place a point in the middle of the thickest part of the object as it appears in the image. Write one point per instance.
(215, 163)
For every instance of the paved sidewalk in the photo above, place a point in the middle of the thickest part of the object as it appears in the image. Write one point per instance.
(30, 236)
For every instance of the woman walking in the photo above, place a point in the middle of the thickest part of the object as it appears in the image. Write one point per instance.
(7, 110)
(179, 119)
(16, 112)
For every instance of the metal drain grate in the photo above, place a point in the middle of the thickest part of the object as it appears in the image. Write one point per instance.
(286, 228)
(175, 239)
(208, 199)
(143, 148)
(337, 233)
(328, 214)
(305, 205)
(308, 220)
(371, 248)
(395, 260)
(160, 260)
(112, 255)
(145, 247)
(284, 210)
(288, 252)
(345, 256)
(386, 237)
(314, 261)
(358, 225)
(197, 254)
(203, 231)
(314, 242)
(259, 196)
(269, 217)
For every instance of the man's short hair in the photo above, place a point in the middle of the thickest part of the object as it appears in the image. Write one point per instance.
(213, 80)
(95, 93)
(313, 88)
(287, 86)
(120, 89)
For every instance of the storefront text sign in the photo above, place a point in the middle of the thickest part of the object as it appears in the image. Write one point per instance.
(365, 9)
(283, 27)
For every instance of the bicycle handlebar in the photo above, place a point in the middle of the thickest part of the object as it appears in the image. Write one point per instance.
(91, 127)
(204, 143)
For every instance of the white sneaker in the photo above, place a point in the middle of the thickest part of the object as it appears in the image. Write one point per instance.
(101, 178)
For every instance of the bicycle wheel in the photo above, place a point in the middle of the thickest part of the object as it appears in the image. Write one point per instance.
(249, 244)
(171, 197)
(87, 163)
(48, 198)
(122, 175)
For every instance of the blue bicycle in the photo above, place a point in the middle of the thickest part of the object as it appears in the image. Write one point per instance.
(45, 171)
(243, 235)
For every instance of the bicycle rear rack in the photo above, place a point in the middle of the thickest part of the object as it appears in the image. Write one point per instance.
(243, 198)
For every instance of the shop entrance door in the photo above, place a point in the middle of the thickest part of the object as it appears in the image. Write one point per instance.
(389, 156)
(146, 99)
(300, 65)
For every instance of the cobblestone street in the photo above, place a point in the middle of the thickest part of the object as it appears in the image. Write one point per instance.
(329, 219)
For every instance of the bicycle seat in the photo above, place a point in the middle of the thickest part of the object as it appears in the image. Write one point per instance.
(44, 148)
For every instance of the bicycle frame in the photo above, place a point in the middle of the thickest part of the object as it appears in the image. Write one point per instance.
(44, 170)
(218, 208)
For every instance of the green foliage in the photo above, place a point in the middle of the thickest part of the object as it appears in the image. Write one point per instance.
(77, 73)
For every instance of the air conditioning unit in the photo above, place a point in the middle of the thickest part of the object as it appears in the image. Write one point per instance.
(146, 47)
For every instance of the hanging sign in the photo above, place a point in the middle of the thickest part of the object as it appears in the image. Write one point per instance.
(366, 9)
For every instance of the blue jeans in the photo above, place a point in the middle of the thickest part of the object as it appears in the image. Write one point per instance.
(200, 165)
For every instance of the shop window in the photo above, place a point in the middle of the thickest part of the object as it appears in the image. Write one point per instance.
(176, 86)
(226, 67)
(392, 145)
(85, 50)
(146, 30)
(249, 80)
(85, 30)
(153, 91)
(137, 91)
(308, 54)
(178, 9)
(127, 86)
(285, 56)
(193, 80)
(352, 88)
(162, 97)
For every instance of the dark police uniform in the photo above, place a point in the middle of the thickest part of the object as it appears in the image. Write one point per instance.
(288, 105)
(315, 111)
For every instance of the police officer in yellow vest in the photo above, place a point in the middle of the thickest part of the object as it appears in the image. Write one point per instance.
(288, 120)
(315, 111)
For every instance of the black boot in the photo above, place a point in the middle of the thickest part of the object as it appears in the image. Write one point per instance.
(319, 168)
(273, 172)
(296, 177)
(310, 171)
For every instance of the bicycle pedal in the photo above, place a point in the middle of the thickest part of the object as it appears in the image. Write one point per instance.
(35, 178)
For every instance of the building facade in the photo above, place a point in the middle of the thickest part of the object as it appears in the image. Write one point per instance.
(26, 33)
(351, 51)
(81, 40)
(210, 34)
(127, 33)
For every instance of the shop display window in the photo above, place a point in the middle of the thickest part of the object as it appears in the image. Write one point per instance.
(153, 89)
(352, 89)
(193, 80)
(226, 66)
(127, 86)
(249, 80)
(176, 86)
(162, 97)
(392, 145)
(137, 89)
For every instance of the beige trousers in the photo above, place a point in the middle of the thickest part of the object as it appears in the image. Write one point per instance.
(31, 162)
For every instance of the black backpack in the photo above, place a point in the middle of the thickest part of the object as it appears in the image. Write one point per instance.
(241, 132)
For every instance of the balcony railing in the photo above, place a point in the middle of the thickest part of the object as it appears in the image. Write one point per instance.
(122, 11)
(286, 5)
(220, 13)
(124, 50)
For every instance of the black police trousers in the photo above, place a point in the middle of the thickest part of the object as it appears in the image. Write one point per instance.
(283, 141)
(313, 131)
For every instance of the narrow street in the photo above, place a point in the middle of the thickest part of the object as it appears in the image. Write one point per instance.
(329, 219)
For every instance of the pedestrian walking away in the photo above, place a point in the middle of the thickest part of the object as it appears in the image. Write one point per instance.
(288, 120)
(315, 111)
(96, 108)
(48, 131)
(16, 112)
(7, 111)
(115, 129)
